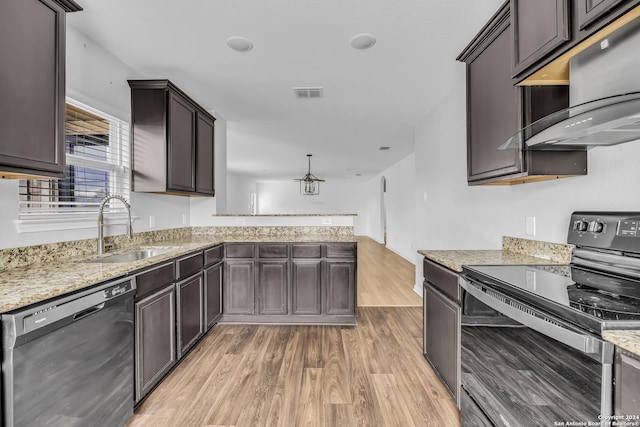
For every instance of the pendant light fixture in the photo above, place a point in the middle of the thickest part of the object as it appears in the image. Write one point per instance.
(309, 184)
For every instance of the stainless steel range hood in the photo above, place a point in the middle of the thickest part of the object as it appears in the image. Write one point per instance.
(604, 92)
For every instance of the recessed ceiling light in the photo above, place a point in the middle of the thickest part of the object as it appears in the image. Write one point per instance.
(363, 41)
(240, 44)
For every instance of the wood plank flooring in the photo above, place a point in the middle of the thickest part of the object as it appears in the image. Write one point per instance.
(385, 279)
(265, 375)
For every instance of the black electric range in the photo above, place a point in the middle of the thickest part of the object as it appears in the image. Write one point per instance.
(546, 337)
(593, 300)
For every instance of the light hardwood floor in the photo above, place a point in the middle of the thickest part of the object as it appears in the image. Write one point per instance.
(385, 279)
(370, 375)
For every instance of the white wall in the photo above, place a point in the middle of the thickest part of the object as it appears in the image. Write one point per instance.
(336, 197)
(458, 216)
(239, 189)
(400, 208)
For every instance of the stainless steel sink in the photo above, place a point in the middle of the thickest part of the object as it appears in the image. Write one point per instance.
(134, 255)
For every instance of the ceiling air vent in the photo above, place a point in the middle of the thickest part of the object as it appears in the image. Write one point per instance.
(384, 148)
(308, 92)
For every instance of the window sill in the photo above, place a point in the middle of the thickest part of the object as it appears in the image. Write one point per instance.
(39, 224)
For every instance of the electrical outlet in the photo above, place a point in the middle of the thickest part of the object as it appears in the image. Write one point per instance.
(530, 226)
(184, 219)
(424, 196)
(326, 221)
(152, 221)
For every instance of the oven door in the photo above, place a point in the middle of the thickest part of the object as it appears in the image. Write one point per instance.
(539, 372)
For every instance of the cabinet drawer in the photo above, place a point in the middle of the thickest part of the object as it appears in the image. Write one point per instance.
(274, 250)
(213, 255)
(150, 281)
(189, 265)
(239, 250)
(341, 250)
(442, 279)
(306, 251)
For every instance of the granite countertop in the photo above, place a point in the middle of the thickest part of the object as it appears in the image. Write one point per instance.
(22, 286)
(629, 340)
(455, 259)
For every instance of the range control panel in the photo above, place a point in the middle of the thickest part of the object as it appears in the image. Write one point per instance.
(606, 230)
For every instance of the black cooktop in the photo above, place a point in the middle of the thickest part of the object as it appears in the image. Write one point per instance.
(587, 298)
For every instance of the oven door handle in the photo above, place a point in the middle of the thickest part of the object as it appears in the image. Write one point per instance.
(591, 346)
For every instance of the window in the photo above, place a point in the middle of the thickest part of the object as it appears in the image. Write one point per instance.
(97, 164)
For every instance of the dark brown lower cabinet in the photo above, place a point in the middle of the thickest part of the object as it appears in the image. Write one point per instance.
(273, 281)
(190, 325)
(441, 337)
(238, 288)
(294, 283)
(306, 291)
(626, 397)
(340, 287)
(212, 294)
(155, 341)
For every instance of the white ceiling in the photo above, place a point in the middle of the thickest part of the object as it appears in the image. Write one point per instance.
(372, 97)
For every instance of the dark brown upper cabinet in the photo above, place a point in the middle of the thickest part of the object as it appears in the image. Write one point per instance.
(589, 11)
(173, 140)
(539, 27)
(492, 101)
(204, 155)
(497, 109)
(32, 109)
(548, 33)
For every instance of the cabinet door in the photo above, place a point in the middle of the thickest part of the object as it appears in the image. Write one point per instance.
(190, 317)
(32, 112)
(626, 397)
(204, 155)
(155, 345)
(340, 287)
(539, 27)
(238, 287)
(181, 144)
(305, 287)
(442, 319)
(212, 294)
(589, 11)
(273, 280)
(492, 107)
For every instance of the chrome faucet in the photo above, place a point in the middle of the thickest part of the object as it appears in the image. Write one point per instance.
(101, 220)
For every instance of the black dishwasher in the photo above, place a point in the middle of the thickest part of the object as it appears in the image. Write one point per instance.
(69, 362)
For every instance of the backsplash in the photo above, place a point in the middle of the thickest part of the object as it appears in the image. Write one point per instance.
(556, 252)
(20, 257)
(273, 231)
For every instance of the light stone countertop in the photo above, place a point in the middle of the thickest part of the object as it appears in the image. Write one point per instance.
(629, 340)
(455, 259)
(34, 283)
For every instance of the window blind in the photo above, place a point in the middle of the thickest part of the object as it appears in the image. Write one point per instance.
(97, 163)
